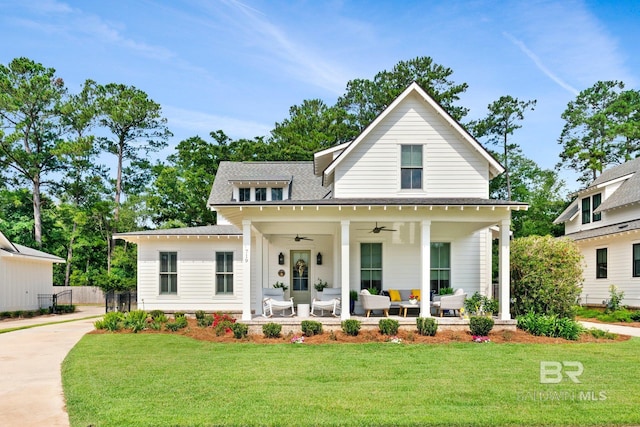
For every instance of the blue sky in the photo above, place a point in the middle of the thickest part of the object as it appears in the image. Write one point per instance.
(239, 66)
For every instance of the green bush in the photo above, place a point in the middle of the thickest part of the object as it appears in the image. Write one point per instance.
(156, 313)
(351, 327)
(427, 326)
(223, 327)
(135, 320)
(546, 275)
(99, 324)
(155, 325)
(480, 304)
(550, 326)
(615, 300)
(178, 314)
(480, 326)
(635, 316)
(204, 321)
(599, 333)
(311, 327)
(113, 321)
(271, 330)
(240, 330)
(179, 323)
(620, 315)
(388, 326)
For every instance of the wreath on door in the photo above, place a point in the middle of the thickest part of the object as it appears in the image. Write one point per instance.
(301, 266)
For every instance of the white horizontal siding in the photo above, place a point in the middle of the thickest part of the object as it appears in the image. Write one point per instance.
(21, 280)
(619, 270)
(451, 167)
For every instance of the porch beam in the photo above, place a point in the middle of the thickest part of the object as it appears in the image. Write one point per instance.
(344, 268)
(246, 269)
(425, 255)
(504, 272)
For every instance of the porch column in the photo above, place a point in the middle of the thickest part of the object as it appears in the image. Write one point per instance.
(246, 269)
(504, 270)
(259, 262)
(425, 262)
(344, 268)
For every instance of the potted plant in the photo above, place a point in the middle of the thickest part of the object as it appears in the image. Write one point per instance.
(281, 285)
(353, 297)
(320, 285)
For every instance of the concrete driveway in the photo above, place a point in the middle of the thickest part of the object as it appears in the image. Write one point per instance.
(616, 329)
(30, 361)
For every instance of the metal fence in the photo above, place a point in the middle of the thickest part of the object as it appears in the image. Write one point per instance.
(53, 301)
(122, 301)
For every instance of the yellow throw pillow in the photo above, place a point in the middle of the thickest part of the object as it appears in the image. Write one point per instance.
(394, 295)
(416, 293)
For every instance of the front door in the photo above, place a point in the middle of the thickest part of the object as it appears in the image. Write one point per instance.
(300, 277)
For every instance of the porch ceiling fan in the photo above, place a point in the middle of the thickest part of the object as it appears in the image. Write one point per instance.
(299, 238)
(377, 229)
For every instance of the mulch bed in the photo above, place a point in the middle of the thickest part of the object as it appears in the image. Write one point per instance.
(366, 336)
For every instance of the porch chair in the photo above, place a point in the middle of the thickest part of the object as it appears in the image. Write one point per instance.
(330, 300)
(273, 300)
(374, 302)
(451, 302)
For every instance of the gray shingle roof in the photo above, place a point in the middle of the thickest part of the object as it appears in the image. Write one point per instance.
(626, 194)
(618, 171)
(304, 184)
(207, 230)
(568, 213)
(605, 231)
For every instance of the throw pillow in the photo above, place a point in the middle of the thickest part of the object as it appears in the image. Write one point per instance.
(416, 293)
(394, 295)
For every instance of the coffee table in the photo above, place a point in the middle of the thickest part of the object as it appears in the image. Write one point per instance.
(406, 306)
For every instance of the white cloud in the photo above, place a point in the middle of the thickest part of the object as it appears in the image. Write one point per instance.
(199, 123)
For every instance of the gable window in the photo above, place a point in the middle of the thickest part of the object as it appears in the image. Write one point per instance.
(371, 266)
(587, 211)
(596, 200)
(636, 260)
(440, 266)
(168, 273)
(245, 194)
(224, 272)
(601, 263)
(411, 166)
(276, 194)
(261, 194)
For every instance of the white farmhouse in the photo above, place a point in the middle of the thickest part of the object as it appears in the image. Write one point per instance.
(404, 205)
(604, 220)
(24, 273)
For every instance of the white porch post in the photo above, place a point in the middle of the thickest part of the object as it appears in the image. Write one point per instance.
(246, 269)
(344, 268)
(425, 255)
(259, 261)
(504, 270)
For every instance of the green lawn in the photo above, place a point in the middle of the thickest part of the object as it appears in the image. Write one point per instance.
(169, 380)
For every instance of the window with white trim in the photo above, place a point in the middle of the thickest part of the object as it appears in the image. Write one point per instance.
(371, 266)
(168, 273)
(411, 166)
(601, 263)
(261, 194)
(276, 194)
(224, 273)
(244, 194)
(440, 266)
(636, 260)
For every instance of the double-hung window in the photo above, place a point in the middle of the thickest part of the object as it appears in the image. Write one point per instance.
(590, 204)
(261, 194)
(596, 200)
(440, 266)
(276, 194)
(586, 210)
(601, 263)
(245, 194)
(168, 273)
(371, 266)
(224, 272)
(636, 260)
(411, 167)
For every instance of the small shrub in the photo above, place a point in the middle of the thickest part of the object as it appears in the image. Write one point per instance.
(65, 308)
(351, 327)
(161, 318)
(480, 304)
(200, 314)
(240, 330)
(179, 323)
(620, 315)
(388, 326)
(550, 326)
(332, 336)
(135, 320)
(99, 324)
(178, 314)
(311, 327)
(427, 326)
(480, 325)
(635, 316)
(204, 321)
(154, 314)
(222, 323)
(599, 333)
(615, 300)
(113, 320)
(271, 330)
(155, 325)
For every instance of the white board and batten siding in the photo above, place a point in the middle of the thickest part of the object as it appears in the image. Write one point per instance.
(21, 280)
(196, 269)
(619, 270)
(452, 168)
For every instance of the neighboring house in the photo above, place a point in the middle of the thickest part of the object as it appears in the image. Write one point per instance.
(24, 273)
(405, 205)
(604, 220)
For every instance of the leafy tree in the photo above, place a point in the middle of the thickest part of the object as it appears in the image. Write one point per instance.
(312, 126)
(29, 98)
(546, 275)
(625, 111)
(365, 99)
(588, 134)
(136, 125)
(502, 120)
